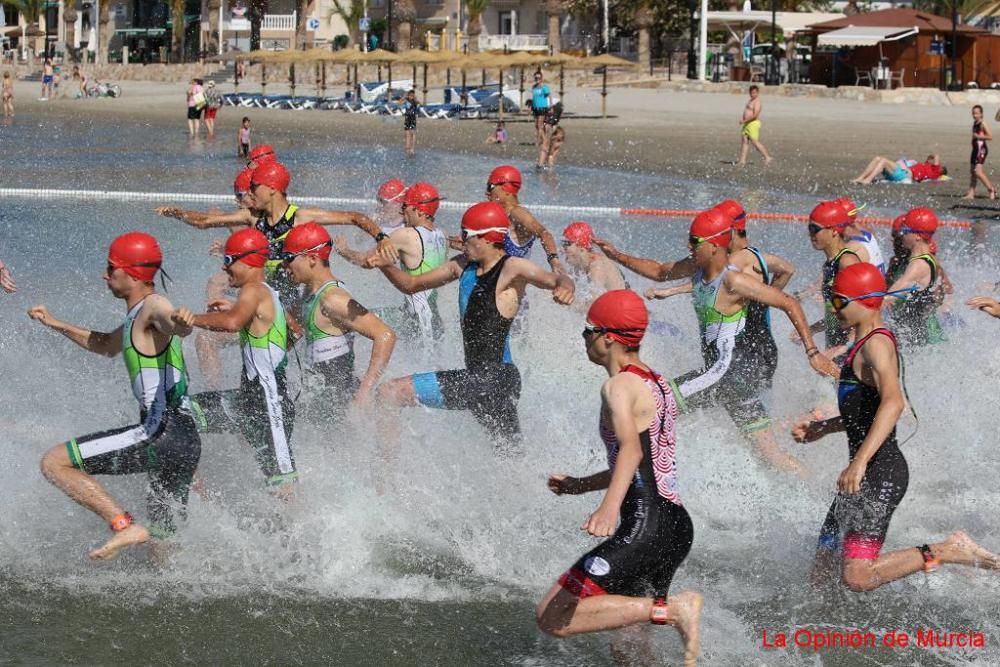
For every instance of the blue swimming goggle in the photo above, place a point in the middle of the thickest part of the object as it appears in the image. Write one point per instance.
(839, 301)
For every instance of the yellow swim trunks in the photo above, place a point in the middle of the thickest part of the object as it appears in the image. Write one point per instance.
(751, 130)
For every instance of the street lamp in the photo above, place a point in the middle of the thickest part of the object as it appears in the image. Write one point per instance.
(389, 45)
(954, 45)
(772, 77)
(692, 63)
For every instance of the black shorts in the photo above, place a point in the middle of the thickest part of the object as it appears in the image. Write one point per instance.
(166, 449)
(194, 113)
(861, 520)
(640, 559)
(244, 150)
(263, 417)
(979, 154)
(739, 391)
(539, 112)
(327, 390)
(410, 124)
(490, 392)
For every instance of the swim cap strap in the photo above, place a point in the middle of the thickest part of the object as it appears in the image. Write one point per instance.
(121, 522)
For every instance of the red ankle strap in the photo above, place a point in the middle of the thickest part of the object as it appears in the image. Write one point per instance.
(121, 522)
(658, 614)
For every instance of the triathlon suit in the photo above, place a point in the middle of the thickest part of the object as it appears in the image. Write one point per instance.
(274, 271)
(979, 148)
(870, 243)
(731, 376)
(244, 142)
(260, 409)
(835, 333)
(165, 444)
(760, 339)
(490, 385)
(863, 518)
(915, 315)
(655, 533)
(329, 361)
(409, 115)
(419, 314)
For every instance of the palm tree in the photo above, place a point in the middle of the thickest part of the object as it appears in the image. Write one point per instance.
(554, 8)
(31, 10)
(302, 10)
(475, 8)
(176, 31)
(352, 14)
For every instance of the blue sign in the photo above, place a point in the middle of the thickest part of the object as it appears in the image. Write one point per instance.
(365, 24)
(312, 24)
(937, 47)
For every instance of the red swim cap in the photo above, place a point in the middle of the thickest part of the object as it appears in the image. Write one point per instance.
(488, 220)
(714, 226)
(391, 190)
(507, 177)
(137, 254)
(242, 182)
(861, 278)
(622, 310)
(850, 208)
(262, 153)
(830, 215)
(579, 233)
(922, 221)
(897, 224)
(734, 210)
(251, 244)
(423, 197)
(309, 237)
(274, 175)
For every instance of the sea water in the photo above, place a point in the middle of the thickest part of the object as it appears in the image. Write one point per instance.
(445, 568)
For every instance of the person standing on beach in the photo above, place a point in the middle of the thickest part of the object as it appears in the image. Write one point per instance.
(165, 443)
(625, 580)
(410, 107)
(980, 135)
(48, 76)
(195, 103)
(243, 140)
(750, 122)
(213, 102)
(540, 96)
(8, 95)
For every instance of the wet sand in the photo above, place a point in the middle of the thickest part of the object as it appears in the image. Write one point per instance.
(818, 144)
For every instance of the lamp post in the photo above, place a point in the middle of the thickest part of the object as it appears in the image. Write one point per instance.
(389, 45)
(692, 72)
(954, 45)
(772, 62)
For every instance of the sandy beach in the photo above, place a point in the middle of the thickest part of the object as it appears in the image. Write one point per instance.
(818, 144)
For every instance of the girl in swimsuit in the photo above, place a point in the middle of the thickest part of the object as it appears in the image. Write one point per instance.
(980, 135)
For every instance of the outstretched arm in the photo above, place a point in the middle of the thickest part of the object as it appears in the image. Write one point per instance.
(917, 273)
(524, 218)
(360, 220)
(105, 344)
(167, 319)
(781, 269)
(203, 220)
(234, 318)
(560, 284)
(985, 304)
(353, 256)
(442, 275)
(649, 268)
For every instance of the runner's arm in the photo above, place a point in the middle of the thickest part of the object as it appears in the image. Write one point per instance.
(572, 486)
(781, 269)
(347, 313)
(524, 218)
(202, 220)
(649, 268)
(917, 273)
(166, 319)
(232, 319)
(7, 280)
(360, 220)
(986, 304)
(104, 344)
(879, 355)
(442, 275)
(619, 403)
(355, 257)
(667, 292)
(560, 284)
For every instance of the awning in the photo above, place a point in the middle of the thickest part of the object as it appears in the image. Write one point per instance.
(152, 32)
(864, 36)
(788, 22)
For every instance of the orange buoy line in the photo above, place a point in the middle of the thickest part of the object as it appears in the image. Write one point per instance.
(775, 217)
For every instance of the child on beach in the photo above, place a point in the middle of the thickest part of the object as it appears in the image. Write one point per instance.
(243, 139)
(980, 135)
(410, 106)
(498, 135)
(750, 122)
(8, 95)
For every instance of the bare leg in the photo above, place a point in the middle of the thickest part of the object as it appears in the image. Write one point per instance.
(868, 171)
(957, 548)
(971, 194)
(744, 149)
(562, 614)
(391, 397)
(985, 180)
(90, 493)
(762, 150)
(767, 448)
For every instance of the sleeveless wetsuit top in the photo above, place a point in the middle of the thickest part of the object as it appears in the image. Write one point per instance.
(868, 240)
(835, 334)
(484, 330)
(916, 315)
(659, 439)
(859, 402)
(276, 236)
(158, 382)
(423, 305)
(266, 356)
(760, 340)
(320, 345)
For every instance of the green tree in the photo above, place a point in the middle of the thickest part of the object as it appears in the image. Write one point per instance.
(30, 10)
(176, 30)
(475, 9)
(352, 11)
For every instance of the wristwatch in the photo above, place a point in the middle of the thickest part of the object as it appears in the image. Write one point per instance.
(380, 237)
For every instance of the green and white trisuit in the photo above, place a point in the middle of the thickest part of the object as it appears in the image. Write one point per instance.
(165, 444)
(914, 316)
(329, 379)
(419, 313)
(261, 408)
(731, 376)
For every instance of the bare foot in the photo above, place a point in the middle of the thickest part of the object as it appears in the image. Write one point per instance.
(768, 160)
(971, 195)
(131, 536)
(687, 610)
(959, 548)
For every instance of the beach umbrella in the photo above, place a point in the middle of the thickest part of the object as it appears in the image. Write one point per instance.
(604, 61)
(379, 57)
(415, 57)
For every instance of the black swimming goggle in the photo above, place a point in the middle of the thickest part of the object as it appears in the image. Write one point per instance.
(591, 329)
(229, 260)
(839, 301)
(288, 257)
(143, 265)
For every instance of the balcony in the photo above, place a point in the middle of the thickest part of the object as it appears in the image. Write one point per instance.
(514, 42)
(282, 22)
